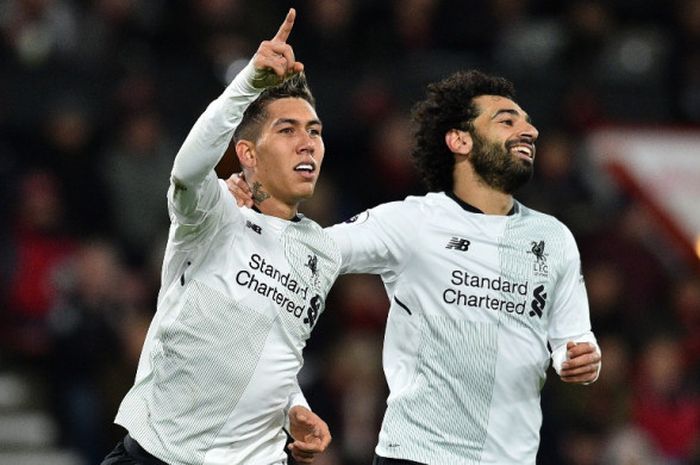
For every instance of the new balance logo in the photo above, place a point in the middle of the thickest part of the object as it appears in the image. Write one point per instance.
(538, 303)
(253, 226)
(457, 243)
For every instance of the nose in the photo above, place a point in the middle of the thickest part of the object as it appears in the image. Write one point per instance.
(306, 145)
(529, 132)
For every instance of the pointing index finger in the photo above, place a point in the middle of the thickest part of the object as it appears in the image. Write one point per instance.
(286, 27)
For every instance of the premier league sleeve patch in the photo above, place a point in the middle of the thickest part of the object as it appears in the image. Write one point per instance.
(359, 218)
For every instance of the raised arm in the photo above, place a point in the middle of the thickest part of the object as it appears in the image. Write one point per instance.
(211, 134)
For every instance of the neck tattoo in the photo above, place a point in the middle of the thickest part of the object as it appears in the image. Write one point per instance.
(258, 193)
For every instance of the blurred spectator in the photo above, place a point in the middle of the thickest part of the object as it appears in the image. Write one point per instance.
(353, 387)
(356, 375)
(414, 23)
(609, 401)
(363, 304)
(39, 248)
(590, 24)
(560, 190)
(96, 94)
(86, 348)
(665, 406)
(582, 444)
(589, 414)
(136, 169)
(113, 31)
(39, 30)
(69, 148)
(391, 172)
(332, 24)
(629, 446)
(630, 244)
(605, 283)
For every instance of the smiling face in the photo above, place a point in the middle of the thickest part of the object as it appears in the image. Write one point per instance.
(283, 163)
(503, 150)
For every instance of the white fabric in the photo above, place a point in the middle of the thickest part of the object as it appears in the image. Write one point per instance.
(465, 350)
(238, 299)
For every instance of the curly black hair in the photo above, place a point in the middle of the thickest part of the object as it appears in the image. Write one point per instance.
(293, 87)
(449, 104)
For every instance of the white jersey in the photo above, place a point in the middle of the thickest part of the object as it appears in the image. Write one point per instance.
(475, 299)
(240, 294)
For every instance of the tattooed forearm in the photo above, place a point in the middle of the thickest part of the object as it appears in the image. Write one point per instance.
(258, 193)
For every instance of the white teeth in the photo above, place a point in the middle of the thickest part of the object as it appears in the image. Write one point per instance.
(524, 150)
(304, 167)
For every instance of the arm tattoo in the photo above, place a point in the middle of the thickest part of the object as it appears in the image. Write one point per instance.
(258, 193)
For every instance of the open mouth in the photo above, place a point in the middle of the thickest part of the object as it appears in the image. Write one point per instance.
(306, 169)
(526, 151)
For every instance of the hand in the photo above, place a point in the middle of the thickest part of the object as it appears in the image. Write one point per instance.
(274, 61)
(582, 364)
(240, 189)
(310, 434)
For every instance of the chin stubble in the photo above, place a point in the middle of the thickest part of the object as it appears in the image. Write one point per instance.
(497, 168)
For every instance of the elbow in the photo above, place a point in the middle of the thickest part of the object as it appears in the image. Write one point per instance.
(177, 184)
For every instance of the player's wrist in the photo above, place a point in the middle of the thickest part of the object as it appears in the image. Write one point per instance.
(244, 82)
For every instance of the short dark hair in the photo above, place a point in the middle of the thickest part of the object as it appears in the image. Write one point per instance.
(449, 104)
(293, 87)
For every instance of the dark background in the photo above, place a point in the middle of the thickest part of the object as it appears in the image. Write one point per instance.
(97, 95)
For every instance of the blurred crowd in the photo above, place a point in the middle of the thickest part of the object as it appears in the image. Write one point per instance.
(97, 95)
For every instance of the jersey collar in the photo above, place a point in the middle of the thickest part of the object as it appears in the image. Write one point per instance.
(473, 209)
(295, 219)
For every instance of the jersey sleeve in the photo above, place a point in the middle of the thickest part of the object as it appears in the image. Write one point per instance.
(194, 189)
(296, 397)
(378, 240)
(570, 319)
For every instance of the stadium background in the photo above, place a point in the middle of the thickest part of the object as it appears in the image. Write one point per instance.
(97, 95)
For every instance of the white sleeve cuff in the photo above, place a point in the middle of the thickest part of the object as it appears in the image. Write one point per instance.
(295, 398)
(559, 354)
(242, 84)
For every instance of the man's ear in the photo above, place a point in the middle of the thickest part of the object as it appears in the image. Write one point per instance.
(459, 142)
(245, 150)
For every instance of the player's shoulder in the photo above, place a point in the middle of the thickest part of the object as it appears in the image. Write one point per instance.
(403, 216)
(413, 204)
(528, 214)
(429, 200)
(313, 231)
(304, 222)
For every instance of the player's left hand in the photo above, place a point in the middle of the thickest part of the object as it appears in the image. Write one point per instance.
(310, 433)
(240, 189)
(582, 364)
(274, 60)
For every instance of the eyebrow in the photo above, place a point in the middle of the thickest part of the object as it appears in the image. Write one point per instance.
(512, 112)
(296, 122)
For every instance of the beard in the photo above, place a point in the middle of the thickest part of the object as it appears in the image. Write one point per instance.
(497, 167)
